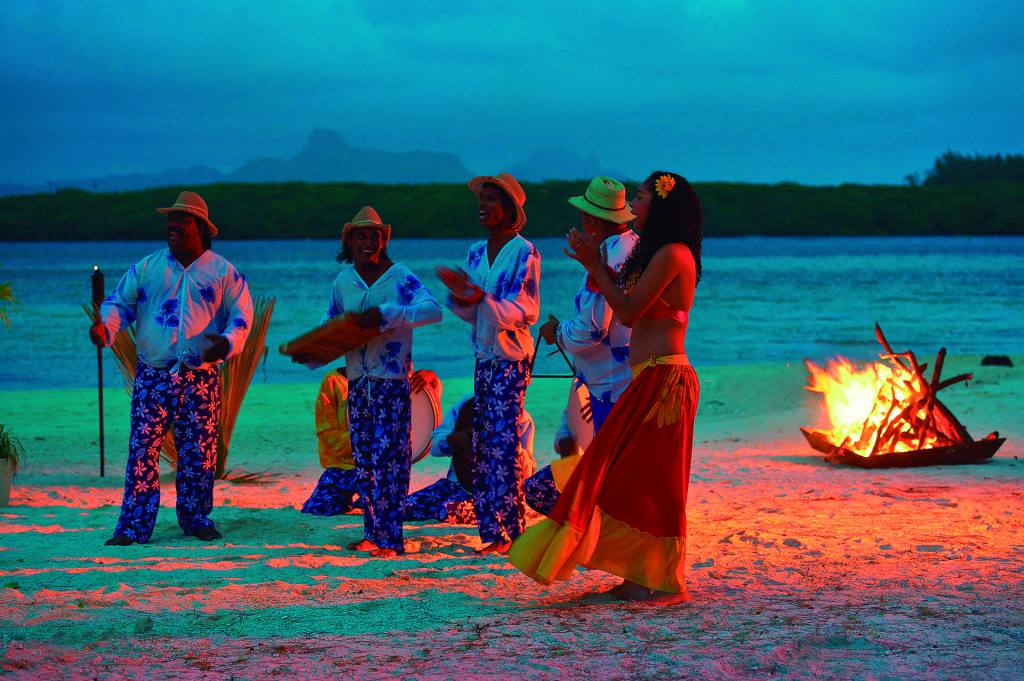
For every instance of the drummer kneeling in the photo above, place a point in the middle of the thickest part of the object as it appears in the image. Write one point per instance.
(448, 499)
(337, 490)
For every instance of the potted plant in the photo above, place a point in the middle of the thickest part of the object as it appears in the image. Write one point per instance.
(11, 456)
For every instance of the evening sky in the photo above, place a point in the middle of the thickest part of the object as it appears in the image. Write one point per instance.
(811, 92)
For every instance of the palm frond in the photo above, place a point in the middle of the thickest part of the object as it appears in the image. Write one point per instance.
(250, 478)
(236, 375)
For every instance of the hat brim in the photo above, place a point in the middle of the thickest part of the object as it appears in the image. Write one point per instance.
(620, 216)
(476, 185)
(193, 213)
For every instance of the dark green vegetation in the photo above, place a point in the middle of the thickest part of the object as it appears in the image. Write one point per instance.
(960, 195)
(956, 168)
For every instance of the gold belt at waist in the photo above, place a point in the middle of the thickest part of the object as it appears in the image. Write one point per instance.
(678, 360)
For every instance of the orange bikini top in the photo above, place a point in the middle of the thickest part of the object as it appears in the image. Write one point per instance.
(660, 309)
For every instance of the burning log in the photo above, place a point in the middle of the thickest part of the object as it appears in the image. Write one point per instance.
(889, 415)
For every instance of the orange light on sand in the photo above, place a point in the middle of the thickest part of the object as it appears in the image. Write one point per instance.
(872, 409)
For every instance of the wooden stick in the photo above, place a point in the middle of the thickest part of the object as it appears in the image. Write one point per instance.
(940, 359)
(892, 406)
(885, 344)
(956, 379)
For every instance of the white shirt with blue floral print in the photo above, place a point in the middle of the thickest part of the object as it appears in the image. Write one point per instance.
(404, 303)
(511, 303)
(175, 307)
(596, 339)
(440, 446)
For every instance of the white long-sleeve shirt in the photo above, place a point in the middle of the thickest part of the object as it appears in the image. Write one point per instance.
(596, 339)
(404, 303)
(524, 432)
(175, 307)
(511, 303)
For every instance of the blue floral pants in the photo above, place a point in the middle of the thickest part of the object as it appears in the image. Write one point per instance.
(380, 421)
(334, 492)
(444, 500)
(498, 469)
(541, 493)
(190, 400)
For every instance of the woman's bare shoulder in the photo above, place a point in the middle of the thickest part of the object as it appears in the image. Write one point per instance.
(675, 253)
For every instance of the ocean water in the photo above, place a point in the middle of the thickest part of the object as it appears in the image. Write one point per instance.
(761, 300)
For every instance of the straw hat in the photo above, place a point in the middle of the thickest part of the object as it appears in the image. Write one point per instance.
(510, 186)
(193, 204)
(366, 217)
(605, 198)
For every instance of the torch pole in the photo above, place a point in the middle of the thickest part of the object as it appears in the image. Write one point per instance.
(97, 300)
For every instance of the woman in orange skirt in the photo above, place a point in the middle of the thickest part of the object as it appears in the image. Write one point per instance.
(622, 504)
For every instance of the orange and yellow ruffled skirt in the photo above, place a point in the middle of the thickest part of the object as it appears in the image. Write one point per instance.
(622, 504)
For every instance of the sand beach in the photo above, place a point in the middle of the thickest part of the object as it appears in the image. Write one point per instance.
(798, 568)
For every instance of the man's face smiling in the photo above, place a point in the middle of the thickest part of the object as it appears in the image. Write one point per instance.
(493, 208)
(367, 246)
(183, 235)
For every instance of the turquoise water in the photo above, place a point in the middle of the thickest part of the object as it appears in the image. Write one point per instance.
(761, 299)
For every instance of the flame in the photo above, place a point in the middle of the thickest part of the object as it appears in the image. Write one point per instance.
(874, 409)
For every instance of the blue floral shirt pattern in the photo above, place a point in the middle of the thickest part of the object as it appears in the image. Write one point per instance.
(440, 446)
(175, 307)
(511, 304)
(596, 339)
(404, 303)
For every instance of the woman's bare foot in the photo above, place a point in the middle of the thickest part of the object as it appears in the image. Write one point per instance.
(362, 545)
(667, 598)
(494, 547)
(628, 591)
(617, 589)
(598, 597)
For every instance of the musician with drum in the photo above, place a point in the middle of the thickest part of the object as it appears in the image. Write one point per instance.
(450, 499)
(337, 488)
(375, 293)
(597, 341)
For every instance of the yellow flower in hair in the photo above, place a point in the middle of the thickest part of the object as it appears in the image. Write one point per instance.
(663, 185)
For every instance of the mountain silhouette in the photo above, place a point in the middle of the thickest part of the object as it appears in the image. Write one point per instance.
(327, 157)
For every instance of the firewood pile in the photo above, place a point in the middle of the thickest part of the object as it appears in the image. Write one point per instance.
(889, 415)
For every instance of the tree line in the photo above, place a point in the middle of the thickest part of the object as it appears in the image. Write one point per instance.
(956, 168)
(308, 210)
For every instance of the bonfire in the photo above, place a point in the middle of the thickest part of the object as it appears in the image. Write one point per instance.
(888, 414)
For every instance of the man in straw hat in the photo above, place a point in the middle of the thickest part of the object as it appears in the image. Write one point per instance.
(596, 339)
(192, 310)
(498, 292)
(376, 293)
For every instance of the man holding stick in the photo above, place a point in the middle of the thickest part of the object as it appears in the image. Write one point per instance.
(596, 339)
(193, 310)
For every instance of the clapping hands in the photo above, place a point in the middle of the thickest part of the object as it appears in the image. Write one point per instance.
(585, 250)
(457, 281)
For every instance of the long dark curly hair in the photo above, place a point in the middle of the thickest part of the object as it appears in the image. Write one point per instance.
(676, 219)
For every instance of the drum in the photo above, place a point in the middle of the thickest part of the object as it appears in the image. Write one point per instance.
(426, 416)
(328, 342)
(581, 423)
